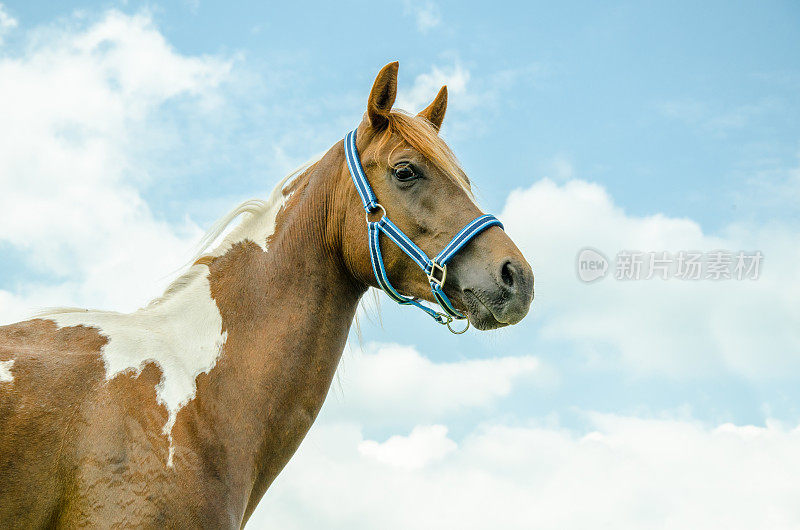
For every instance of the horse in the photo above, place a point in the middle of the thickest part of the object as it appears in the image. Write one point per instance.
(182, 413)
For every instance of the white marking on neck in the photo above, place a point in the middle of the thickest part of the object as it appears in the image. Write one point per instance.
(182, 334)
(5, 371)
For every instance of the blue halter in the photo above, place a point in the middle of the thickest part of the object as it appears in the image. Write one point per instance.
(435, 269)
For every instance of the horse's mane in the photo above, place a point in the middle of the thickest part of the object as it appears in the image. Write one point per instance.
(258, 214)
(253, 210)
(418, 133)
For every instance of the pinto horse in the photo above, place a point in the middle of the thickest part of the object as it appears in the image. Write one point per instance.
(182, 413)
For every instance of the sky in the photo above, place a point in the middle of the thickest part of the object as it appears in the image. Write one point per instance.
(128, 128)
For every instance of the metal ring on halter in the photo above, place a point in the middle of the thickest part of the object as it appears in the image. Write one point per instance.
(457, 332)
(441, 318)
(377, 206)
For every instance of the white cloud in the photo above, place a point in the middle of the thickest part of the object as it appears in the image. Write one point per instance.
(7, 22)
(427, 85)
(561, 168)
(395, 381)
(625, 473)
(425, 12)
(469, 99)
(425, 444)
(769, 191)
(76, 106)
(714, 117)
(751, 328)
(193, 5)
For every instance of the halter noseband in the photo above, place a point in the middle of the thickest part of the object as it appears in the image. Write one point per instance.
(435, 269)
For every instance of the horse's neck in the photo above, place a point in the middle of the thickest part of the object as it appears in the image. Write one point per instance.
(250, 337)
(286, 312)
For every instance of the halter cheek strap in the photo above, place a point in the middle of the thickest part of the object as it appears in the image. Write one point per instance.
(435, 269)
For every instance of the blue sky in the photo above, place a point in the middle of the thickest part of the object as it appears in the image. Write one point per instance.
(642, 125)
(674, 108)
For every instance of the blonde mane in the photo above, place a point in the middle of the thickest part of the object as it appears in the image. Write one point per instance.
(258, 220)
(257, 223)
(258, 215)
(424, 138)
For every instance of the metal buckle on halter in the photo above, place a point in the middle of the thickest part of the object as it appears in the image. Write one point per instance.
(442, 272)
(378, 206)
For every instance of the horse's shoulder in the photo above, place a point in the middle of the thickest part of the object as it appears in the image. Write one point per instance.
(46, 370)
(48, 377)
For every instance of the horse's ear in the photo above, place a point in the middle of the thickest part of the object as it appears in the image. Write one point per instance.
(381, 98)
(434, 112)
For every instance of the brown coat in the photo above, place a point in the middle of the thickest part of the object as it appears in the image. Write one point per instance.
(80, 448)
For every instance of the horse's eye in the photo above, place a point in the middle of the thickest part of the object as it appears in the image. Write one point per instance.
(405, 173)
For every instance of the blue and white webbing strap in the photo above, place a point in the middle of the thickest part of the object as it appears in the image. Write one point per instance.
(435, 269)
(357, 172)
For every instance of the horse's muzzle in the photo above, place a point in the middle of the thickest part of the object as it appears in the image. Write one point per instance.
(501, 297)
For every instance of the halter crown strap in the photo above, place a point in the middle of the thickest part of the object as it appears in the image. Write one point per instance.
(435, 269)
(357, 172)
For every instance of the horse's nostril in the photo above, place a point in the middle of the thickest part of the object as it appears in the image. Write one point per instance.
(507, 274)
(513, 290)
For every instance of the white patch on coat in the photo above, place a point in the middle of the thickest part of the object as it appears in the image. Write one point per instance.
(182, 331)
(182, 334)
(5, 371)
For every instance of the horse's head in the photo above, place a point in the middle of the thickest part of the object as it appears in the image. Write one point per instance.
(425, 193)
